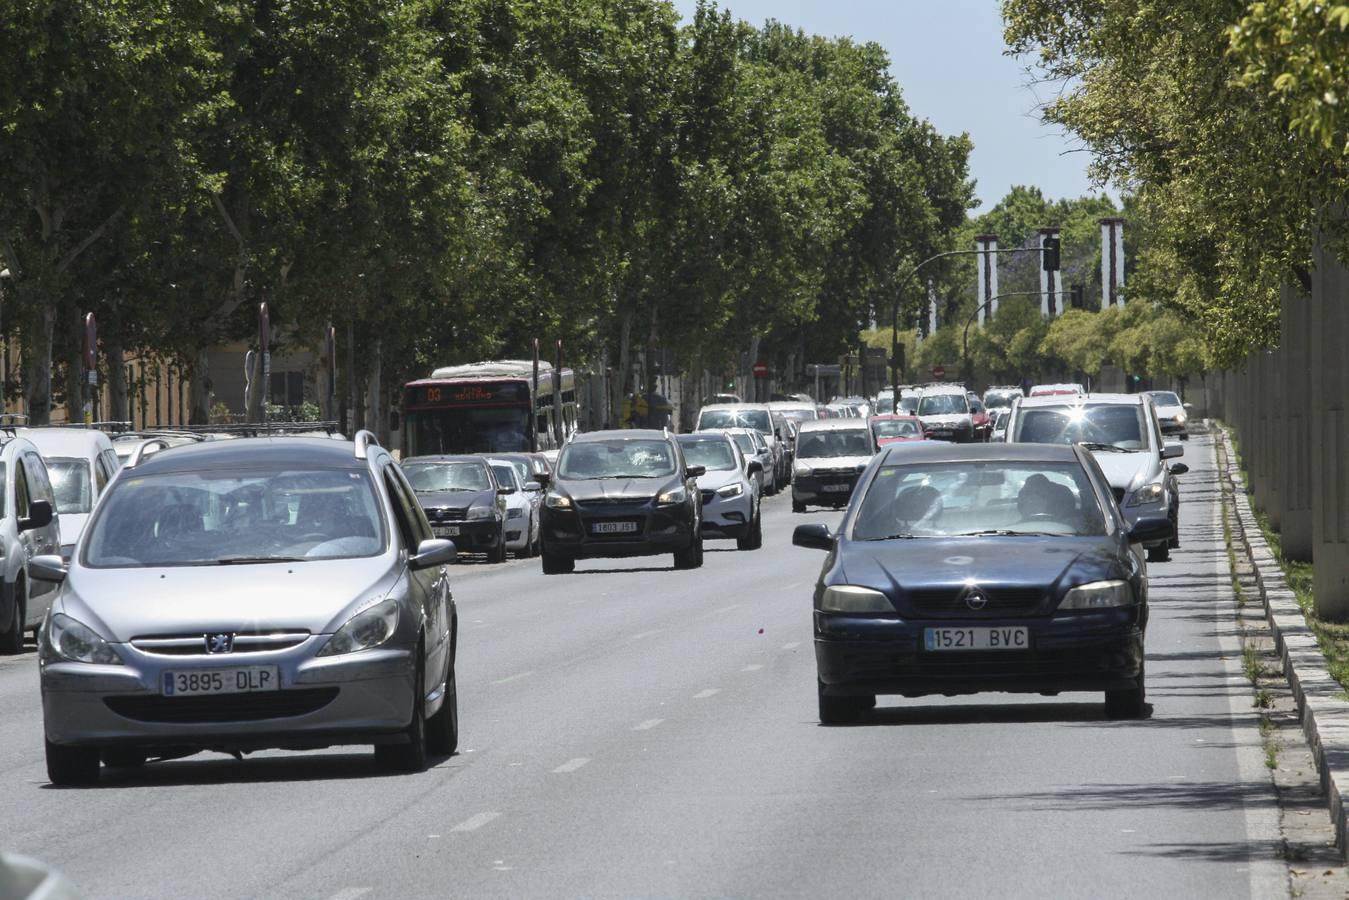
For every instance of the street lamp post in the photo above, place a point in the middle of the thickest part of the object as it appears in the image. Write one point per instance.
(965, 341)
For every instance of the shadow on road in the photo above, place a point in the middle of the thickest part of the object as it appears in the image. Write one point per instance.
(210, 769)
(980, 714)
(1202, 795)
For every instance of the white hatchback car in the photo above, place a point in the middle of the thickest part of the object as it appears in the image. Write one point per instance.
(80, 463)
(522, 509)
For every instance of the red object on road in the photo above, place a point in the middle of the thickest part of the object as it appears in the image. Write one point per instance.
(939, 372)
(761, 370)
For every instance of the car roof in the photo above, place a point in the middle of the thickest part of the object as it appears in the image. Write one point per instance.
(66, 441)
(943, 389)
(733, 406)
(892, 417)
(834, 425)
(710, 434)
(1082, 400)
(941, 451)
(627, 434)
(447, 457)
(294, 452)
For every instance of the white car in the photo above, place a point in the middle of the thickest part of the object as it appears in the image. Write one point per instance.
(29, 527)
(1171, 413)
(729, 487)
(830, 455)
(522, 512)
(751, 415)
(80, 463)
(945, 411)
(753, 448)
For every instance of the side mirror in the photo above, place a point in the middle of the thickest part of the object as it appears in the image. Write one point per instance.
(543, 478)
(430, 554)
(1173, 450)
(1147, 531)
(753, 467)
(1179, 469)
(695, 471)
(533, 486)
(39, 516)
(47, 567)
(813, 537)
(777, 433)
(1187, 406)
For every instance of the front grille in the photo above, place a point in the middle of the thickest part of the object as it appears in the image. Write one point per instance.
(195, 644)
(613, 501)
(951, 601)
(223, 707)
(1119, 494)
(445, 514)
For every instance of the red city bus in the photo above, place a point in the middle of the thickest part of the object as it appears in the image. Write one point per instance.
(485, 407)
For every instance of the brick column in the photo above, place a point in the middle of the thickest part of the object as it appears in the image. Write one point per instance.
(1329, 443)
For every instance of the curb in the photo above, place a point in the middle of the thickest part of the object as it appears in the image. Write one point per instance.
(1320, 698)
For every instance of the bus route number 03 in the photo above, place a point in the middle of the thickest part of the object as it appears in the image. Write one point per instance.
(433, 395)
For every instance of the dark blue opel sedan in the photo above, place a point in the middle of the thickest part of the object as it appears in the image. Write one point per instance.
(980, 567)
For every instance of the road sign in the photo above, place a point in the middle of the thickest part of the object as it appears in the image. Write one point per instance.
(760, 370)
(939, 372)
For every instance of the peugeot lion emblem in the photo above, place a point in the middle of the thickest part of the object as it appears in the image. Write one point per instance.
(219, 643)
(976, 599)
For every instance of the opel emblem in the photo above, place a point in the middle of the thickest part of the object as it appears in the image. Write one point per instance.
(219, 643)
(976, 599)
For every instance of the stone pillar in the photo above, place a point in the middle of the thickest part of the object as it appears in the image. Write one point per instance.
(1329, 443)
(1294, 445)
(1112, 262)
(986, 280)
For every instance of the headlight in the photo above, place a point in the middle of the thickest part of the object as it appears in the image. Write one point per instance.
(72, 640)
(514, 513)
(1148, 493)
(802, 469)
(847, 598)
(730, 490)
(481, 512)
(1180, 419)
(368, 628)
(671, 498)
(1099, 595)
(554, 500)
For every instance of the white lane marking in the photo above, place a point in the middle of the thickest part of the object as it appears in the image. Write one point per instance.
(703, 695)
(752, 667)
(724, 609)
(350, 893)
(516, 677)
(476, 822)
(571, 765)
(647, 634)
(792, 646)
(647, 725)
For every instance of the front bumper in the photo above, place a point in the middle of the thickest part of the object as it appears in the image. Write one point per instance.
(657, 530)
(476, 536)
(1096, 652)
(363, 697)
(825, 488)
(726, 517)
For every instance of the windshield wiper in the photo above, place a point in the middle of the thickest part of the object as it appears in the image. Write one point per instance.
(249, 560)
(902, 536)
(1006, 532)
(1097, 445)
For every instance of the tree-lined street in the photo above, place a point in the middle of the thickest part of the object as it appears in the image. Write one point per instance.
(629, 730)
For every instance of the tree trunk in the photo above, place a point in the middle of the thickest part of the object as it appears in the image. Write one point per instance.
(621, 383)
(118, 410)
(375, 418)
(199, 406)
(256, 400)
(37, 377)
(76, 378)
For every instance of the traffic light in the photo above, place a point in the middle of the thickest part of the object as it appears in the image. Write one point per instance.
(1079, 300)
(1051, 254)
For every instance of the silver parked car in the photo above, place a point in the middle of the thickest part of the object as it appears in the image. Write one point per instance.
(28, 528)
(248, 594)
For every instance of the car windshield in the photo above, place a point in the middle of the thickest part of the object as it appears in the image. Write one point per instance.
(944, 499)
(505, 474)
(758, 419)
(1000, 398)
(890, 428)
(908, 405)
(713, 455)
(522, 469)
(943, 405)
(744, 442)
(617, 459)
(222, 517)
(885, 404)
(433, 477)
(826, 444)
(1165, 398)
(70, 484)
(1116, 425)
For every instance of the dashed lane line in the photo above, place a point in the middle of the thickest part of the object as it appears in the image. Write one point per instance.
(516, 677)
(476, 822)
(571, 765)
(709, 692)
(647, 725)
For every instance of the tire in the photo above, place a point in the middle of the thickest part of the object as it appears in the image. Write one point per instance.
(798, 507)
(71, 766)
(1159, 554)
(1174, 542)
(1129, 703)
(753, 540)
(409, 758)
(442, 729)
(692, 556)
(842, 710)
(499, 553)
(557, 564)
(11, 637)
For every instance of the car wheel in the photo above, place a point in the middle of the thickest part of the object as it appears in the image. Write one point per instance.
(11, 636)
(557, 564)
(442, 729)
(410, 757)
(71, 765)
(1174, 542)
(753, 540)
(1129, 703)
(498, 553)
(798, 507)
(120, 758)
(1159, 554)
(842, 710)
(692, 556)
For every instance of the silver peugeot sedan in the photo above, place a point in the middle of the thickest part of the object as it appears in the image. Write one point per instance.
(240, 595)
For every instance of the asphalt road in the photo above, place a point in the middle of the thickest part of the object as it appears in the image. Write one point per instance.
(633, 731)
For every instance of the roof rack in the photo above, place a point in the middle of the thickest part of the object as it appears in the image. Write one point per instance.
(363, 440)
(107, 427)
(257, 429)
(141, 451)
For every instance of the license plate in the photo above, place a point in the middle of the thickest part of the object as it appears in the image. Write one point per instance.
(1013, 638)
(445, 531)
(835, 488)
(220, 681)
(613, 527)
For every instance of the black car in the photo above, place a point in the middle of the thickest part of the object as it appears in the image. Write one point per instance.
(462, 501)
(980, 567)
(618, 494)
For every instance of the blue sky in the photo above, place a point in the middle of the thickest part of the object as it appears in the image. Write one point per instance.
(947, 57)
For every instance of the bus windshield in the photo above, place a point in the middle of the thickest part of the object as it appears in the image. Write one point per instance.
(467, 430)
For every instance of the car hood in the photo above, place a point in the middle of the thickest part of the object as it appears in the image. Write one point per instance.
(616, 488)
(952, 419)
(1123, 470)
(71, 526)
(897, 567)
(717, 478)
(833, 462)
(456, 499)
(314, 596)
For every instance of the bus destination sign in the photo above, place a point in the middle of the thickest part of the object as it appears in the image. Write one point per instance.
(461, 394)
